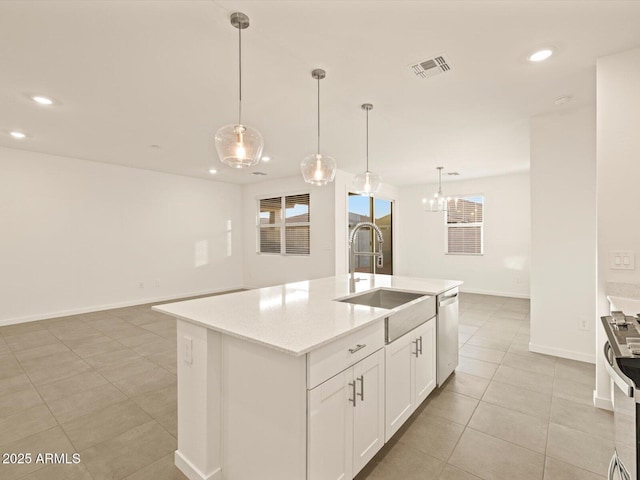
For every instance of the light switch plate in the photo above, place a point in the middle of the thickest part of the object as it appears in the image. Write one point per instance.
(622, 260)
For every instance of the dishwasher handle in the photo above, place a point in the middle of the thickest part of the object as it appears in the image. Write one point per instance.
(443, 300)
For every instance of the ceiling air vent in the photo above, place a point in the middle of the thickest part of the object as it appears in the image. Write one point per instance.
(258, 173)
(431, 67)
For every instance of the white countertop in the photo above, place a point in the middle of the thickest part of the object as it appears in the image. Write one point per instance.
(297, 317)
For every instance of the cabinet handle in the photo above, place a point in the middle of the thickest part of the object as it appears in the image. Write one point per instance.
(353, 386)
(359, 346)
(361, 394)
(420, 340)
(417, 352)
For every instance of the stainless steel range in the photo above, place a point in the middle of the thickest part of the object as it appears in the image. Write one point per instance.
(622, 361)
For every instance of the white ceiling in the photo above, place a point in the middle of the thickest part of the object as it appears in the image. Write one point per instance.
(131, 74)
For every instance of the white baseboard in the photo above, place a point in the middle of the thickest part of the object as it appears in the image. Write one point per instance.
(99, 308)
(561, 352)
(602, 402)
(193, 473)
(492, 292)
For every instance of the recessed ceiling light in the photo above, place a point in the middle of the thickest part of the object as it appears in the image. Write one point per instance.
(562, 100)
(42, 100)
(540, 55)
(266, 159)
(213, 171)
(18, 135)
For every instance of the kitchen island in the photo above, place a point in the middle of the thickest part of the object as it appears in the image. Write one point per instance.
(271, 382)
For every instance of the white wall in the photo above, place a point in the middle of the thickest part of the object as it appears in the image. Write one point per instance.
(80, 236)
(504, 267)
(618, 162)
(563, 240)
(267, 269)
(618, 167)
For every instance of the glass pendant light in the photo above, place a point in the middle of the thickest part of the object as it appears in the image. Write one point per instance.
(438, 203)
(367, 183)
(318, 169)
(238, 145)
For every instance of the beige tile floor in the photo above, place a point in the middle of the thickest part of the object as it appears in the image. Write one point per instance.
(104, 385)
(101, 384)
(505, 414)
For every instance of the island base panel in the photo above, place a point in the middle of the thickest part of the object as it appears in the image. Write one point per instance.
(241, 408)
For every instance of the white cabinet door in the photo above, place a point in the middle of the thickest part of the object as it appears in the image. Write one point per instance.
(330, 437)
(425, 362)
(399, 382)
(410, 363)
(368, 414)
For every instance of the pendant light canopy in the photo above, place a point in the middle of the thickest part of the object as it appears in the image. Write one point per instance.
(367, 183)
(438, 203)
(316, 168)
(238, 145)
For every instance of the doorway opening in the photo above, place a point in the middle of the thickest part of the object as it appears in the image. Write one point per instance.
(380, 212)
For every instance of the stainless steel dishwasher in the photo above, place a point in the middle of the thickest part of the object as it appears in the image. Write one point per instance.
(447, 330)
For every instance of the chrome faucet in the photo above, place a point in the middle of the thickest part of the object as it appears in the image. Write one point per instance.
(353, 253)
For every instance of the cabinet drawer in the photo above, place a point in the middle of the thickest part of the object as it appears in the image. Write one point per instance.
(327, 361)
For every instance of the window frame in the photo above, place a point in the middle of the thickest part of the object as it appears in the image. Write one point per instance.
(447, 226)
(282, 224)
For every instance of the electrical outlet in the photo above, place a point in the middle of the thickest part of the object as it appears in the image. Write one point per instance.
(188, 350)
(157, 283)
(518, 280)
(583, 324)
(140, 284)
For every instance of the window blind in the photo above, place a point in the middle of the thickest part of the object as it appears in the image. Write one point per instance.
(465, 223)
(284, 225)
(270, 211)
(270, 240)
(465, 240)
(297, 240)
(297, 208)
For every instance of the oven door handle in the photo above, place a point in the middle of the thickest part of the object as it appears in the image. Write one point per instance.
(619, 378)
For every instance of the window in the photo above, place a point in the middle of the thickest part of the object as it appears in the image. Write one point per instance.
(284, 225)
(465, 219)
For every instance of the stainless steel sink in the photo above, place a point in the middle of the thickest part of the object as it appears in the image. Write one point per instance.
(383, 298)
(418, 308)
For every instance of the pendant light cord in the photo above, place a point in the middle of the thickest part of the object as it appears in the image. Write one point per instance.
(367, 140)
(318, 115)
(239, 76)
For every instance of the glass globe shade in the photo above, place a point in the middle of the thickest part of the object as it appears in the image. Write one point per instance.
(318, 169)
(239, 146)
(367, 183)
